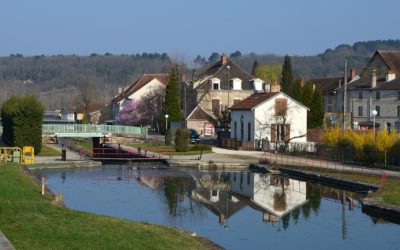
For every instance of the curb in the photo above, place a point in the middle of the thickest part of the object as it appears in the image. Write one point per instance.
(5, 243)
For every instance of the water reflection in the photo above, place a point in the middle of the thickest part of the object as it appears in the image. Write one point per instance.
(235, 209)
(279, 199)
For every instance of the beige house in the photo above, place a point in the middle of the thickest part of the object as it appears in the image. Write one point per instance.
(219, 87)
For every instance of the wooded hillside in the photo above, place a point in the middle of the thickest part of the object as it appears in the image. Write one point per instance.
(61, 80)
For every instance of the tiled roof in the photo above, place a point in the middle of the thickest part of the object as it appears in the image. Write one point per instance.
(221, 71)
(140, 82)
(199, 113)
(253, 100)
(328, 84)
(392, 60)
(365, 83)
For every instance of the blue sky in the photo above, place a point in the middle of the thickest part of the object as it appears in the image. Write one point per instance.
(187, 28)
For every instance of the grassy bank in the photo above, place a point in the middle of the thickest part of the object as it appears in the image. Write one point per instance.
(48, 151)
(31, 221)
(388, 194)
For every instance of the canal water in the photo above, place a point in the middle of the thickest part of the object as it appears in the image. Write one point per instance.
(237, 210)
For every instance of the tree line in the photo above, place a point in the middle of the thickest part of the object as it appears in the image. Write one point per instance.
(58, 80)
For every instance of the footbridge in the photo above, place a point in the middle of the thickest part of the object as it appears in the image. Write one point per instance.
(90, 130)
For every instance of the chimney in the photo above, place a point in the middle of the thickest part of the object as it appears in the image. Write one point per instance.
(302, 82)
(224, 59)
(353, 73)
(119, 90)
(275, 87)
(373, 80)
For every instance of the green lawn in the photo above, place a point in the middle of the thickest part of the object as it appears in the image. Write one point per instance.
(32, 221)
(87, 144)
(48, 151)
(389, 193)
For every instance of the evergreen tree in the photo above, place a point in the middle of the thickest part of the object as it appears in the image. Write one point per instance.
(306, 97)
(213, 57)
(306, 94)
(287, 75)
(22, 118)
(172, 103)
(296, 91)
(236, 54)
(317, 109)
(255, 67)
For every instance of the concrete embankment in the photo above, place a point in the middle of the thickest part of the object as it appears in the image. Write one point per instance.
(375, 208)
(332, 181)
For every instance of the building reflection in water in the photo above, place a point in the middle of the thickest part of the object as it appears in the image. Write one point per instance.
(274, 195)
(213, 192)
(277, 197)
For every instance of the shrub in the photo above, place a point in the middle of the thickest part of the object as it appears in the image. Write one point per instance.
(22, 118)
(182, 140)
(168, 137)
(371, 155)
(199, 147)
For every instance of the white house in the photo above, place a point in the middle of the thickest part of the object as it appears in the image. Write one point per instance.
(144, 85)
(274, 116)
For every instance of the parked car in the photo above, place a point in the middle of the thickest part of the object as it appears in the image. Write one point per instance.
(193, 136)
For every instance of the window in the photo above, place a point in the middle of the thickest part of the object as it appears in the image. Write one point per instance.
(398, 111)
(360, 95)
(249, 131)
(378, 110)
(215, 106)
(215, 85)
(235, 129)
(236, 84)
(241, 131)
(388, 127)
(360, 111)
(280, 132)
(248, 178)
(398, 94)
(378, 95)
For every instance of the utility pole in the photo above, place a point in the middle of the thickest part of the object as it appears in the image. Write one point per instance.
(345, 94)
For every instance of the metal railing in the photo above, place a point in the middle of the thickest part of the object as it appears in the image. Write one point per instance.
(91, 130)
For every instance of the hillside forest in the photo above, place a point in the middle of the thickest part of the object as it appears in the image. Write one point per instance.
(62, 80)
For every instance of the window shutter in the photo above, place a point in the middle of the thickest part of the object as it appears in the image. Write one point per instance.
(280, 106)
(287, 132)
(273, 132)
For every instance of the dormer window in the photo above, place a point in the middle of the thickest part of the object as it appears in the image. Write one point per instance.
(257, 84)
(215, 83)
(236, 84)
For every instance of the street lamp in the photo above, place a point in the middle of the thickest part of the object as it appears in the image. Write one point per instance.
(166, 121)
(229, 76)
(374, 113)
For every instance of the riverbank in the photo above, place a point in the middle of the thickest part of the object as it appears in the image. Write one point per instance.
(32, 221)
